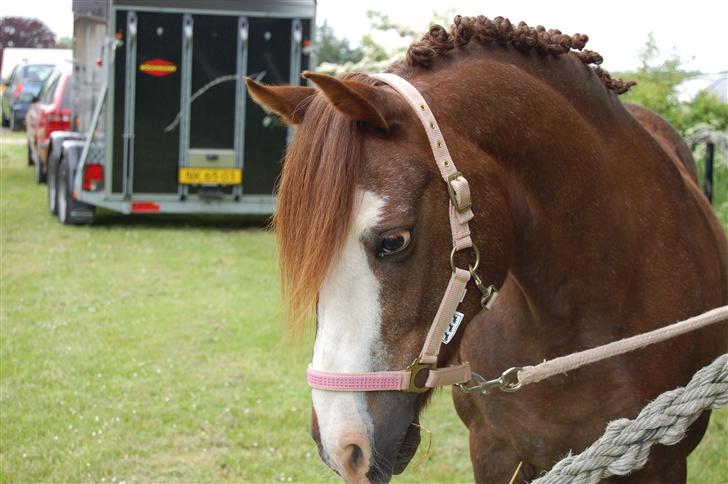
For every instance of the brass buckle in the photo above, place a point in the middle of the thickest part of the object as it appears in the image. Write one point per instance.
(453, 194)
(415, 368)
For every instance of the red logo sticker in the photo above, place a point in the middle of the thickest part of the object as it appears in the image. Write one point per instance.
(158, 67)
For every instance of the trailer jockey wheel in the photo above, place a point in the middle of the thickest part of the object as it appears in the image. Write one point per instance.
(70, 211)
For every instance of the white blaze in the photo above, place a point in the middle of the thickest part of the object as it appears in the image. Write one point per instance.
(348, 334)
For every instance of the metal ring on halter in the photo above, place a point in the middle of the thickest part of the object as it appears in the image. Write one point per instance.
(473, 267)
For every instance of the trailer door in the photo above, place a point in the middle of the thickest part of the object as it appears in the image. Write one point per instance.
(269, 61)
(155, 160)
(183, 123)
(212, 102)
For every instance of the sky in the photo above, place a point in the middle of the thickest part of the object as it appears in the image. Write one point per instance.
(693, 29)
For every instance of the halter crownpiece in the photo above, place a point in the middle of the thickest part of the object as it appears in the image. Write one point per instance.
(461, 213)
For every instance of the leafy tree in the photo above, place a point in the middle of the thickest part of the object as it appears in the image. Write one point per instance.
(65, 43)
(657, 89)
(706, 108)
(334, 50)
(657, 83)
(375, 56)
(24, 32)
(382, 22)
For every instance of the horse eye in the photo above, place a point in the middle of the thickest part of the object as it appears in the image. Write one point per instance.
(395, 241)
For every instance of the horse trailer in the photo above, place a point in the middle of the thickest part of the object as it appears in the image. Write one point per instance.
(162, 121)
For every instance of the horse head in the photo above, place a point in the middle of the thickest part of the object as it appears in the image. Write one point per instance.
(365, 245)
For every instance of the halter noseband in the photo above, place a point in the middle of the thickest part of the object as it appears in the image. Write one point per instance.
(460, 214)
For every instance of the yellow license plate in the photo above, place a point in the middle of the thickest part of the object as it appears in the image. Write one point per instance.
(210, 176)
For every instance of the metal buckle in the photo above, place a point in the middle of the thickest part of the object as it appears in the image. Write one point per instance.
(487, 293)
(453, 194)
(415, 368)
(504, 382)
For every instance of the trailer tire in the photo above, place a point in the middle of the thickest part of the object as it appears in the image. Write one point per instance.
(70, 211)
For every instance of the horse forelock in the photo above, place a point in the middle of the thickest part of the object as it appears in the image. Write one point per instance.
(315, 203)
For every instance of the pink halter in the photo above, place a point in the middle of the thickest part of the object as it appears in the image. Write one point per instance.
(460, 214)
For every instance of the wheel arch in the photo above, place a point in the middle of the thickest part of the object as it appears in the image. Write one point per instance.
(71, 155)
(55, 146)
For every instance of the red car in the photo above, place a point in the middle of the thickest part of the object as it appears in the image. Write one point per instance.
(50, 111)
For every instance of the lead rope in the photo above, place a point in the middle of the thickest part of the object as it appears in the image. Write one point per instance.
(514, 379)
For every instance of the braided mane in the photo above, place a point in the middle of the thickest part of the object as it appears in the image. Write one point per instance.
(437, 42)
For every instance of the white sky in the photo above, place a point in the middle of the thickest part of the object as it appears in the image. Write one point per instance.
(696, 29)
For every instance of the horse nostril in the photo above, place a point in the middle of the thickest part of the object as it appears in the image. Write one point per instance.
(353, 460)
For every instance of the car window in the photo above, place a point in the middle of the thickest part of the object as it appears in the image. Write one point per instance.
(16, 74)
(68, 94)
(45, 87)
(37, 72)
(49, 89)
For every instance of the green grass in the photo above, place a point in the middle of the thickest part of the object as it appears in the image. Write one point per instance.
(140, 349)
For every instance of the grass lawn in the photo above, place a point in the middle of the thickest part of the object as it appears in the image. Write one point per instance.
(142, 349)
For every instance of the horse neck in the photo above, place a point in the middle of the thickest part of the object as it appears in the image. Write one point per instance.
(574, 167)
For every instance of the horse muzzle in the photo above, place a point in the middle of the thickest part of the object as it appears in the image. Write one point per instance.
(358, 457)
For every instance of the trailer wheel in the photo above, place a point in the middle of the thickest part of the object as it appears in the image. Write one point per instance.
(70, 211)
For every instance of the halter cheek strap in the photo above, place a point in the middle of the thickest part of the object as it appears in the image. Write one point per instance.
(460, 213)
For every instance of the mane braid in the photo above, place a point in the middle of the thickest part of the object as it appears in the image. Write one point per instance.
(315, 200)
(437, 42)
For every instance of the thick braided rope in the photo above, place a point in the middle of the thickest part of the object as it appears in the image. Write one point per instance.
(625, 445)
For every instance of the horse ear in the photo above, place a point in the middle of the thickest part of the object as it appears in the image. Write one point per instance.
(289, 102)
(353, 98)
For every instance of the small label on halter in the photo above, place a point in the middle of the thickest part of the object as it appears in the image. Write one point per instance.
(452, 328)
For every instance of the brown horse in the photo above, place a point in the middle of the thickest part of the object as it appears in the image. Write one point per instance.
(588, 218)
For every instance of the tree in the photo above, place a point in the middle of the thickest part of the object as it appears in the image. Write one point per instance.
(707, 109)
(25, 32)
(373, 56)
(65, 43)
(657, 83)
(334, 50)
